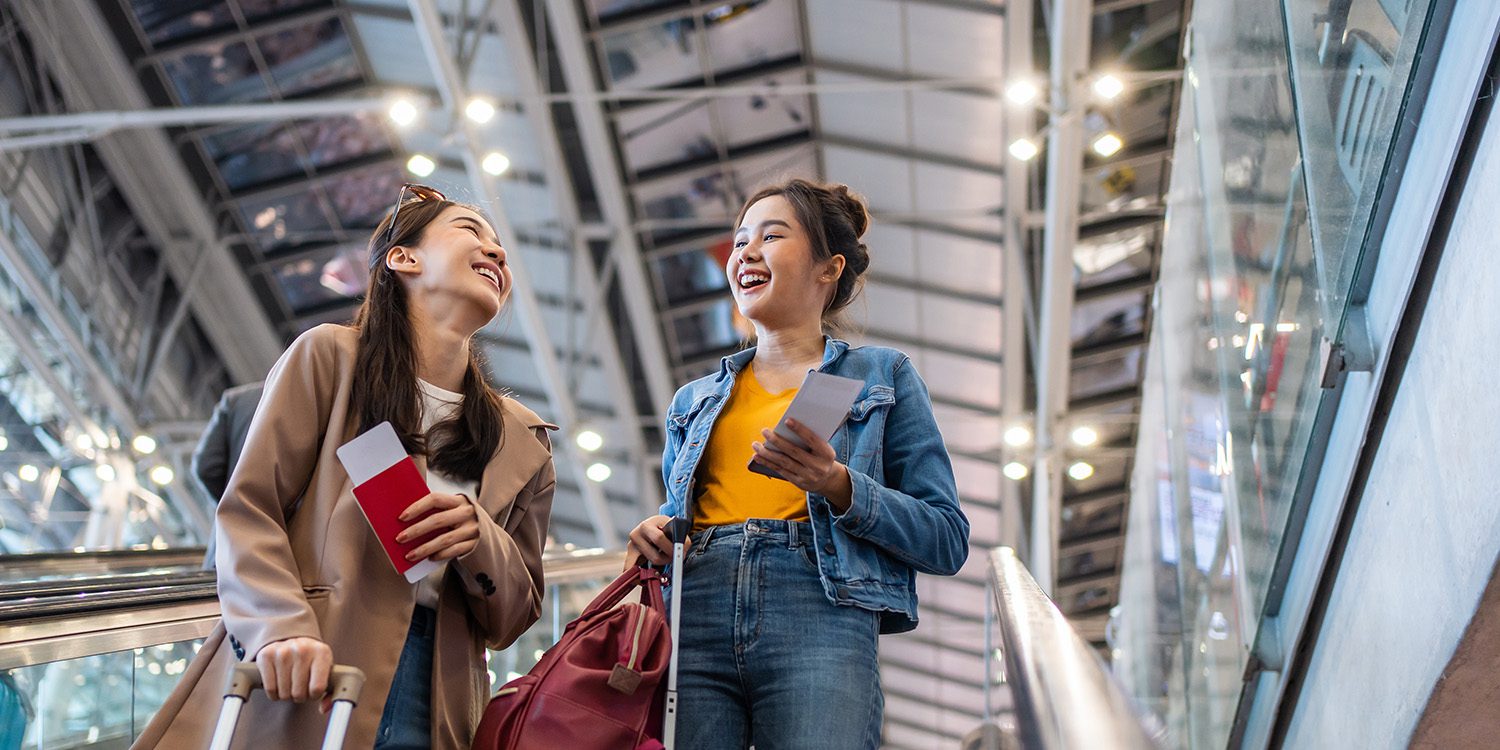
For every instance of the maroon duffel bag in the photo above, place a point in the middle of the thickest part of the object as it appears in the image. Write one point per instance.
(598, 688)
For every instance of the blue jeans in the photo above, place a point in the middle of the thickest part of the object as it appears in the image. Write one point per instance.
(406, 722)
(765, 658)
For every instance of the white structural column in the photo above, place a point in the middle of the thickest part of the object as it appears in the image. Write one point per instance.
(1069, 64)
(569, 34)
(523, 68)
(451, 85)
(1018, 123)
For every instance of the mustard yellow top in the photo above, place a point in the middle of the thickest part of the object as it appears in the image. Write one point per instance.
(730, 492)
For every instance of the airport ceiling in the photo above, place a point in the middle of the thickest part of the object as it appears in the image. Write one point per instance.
(612, 141)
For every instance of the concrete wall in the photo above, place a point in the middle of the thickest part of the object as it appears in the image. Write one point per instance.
(1425, 541)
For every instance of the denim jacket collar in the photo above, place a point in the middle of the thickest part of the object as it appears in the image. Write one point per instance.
(735, 363)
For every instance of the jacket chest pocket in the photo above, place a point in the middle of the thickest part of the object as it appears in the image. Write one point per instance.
(863, 433)
(678, 427)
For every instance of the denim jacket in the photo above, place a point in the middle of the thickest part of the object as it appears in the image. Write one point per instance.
(904, 517)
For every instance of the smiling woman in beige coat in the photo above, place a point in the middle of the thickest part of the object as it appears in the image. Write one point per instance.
(304, 583)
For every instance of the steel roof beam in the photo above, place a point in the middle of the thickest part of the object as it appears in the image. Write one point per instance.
(569, 34)
(1014, 277)
(544, 354)
(508, 19)
(1070, 40)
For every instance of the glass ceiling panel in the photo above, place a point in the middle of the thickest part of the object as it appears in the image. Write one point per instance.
(689, 275)
(255, 153)
(704, 195)
(308, 57)
(339, 139)
(256, 9)
(1114, 256)
(746, 34)
(1104, 374)
(216, 74)
(169, 20)
(1108, 318)
(331, 275)
(286, 219)
(705, 330)
(360, 198)
(652, 56)
(604, 9)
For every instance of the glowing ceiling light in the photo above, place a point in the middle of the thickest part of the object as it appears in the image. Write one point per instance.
(589, 440)
(421, 165)
(598, 472)
(1016, 470)
(495, 163)
(1108, 87)
(1085, 436)
(1024, 149)
(1017, 436)
(1022, 92)
(163, 474)
(480, 110)
(144, 444)
(403, 112)
(1081, 470)
(1108, 144)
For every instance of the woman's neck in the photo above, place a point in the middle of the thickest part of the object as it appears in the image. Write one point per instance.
(442, 349)
(782, 350)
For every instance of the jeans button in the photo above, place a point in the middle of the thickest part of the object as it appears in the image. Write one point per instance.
(828, 549)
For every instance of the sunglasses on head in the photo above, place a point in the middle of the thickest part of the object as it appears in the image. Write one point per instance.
(420, 193)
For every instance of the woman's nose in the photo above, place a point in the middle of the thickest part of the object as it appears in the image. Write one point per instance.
(496, 254)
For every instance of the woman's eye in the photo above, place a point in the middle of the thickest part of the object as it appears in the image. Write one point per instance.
(472, 229)
(740, 244)
(770, 237)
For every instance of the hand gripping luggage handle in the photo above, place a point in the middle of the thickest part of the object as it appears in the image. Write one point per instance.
(346, 683)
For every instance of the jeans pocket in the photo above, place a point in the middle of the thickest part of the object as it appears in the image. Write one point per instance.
(809, 555)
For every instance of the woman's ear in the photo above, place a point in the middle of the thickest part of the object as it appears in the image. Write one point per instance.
(834, 269)
(401, 259)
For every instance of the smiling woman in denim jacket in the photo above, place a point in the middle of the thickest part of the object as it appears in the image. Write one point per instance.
(787, 583)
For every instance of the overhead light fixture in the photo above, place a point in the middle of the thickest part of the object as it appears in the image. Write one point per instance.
(589, 440)
(83, 442)
(404, 112)
(1022, 92)
(1017, 436)
(1085, 436)
(1024, 149)
(421, 165)
(144, 444)
(1081, 470)
(598, 472)
(162, 474)
(1108, 144)
(105, 472)
(495, 163)
(28, 473)
(4, 442)
(1108, 86)
(1016, 470)
(480, 110)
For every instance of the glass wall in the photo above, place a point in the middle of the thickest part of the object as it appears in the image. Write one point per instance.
(1284, 134)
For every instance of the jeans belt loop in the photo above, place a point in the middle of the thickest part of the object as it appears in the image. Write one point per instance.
(792, 541)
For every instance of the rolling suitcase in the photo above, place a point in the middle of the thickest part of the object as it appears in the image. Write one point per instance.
(677, 530)
(345, 681)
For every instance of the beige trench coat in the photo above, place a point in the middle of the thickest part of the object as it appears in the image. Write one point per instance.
(296, 558)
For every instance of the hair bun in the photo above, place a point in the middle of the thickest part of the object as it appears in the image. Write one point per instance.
(854, 206)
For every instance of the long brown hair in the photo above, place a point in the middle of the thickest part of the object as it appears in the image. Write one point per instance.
(835, 219)
(385, 363)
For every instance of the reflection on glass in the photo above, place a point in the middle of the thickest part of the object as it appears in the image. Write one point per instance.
(689, 275)
(331, 275)
(334, 140)
(362, 197)
(168, 20)
(313, 56)
(707, 330)
(254, 154)
(96, 700)
(1114, 256)
(1105, 373)
(1351, 61)
(1105, 319)
(287, 219)
(216, 73)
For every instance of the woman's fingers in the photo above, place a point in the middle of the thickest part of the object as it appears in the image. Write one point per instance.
(295, 669)
(430, 501)
(268, 677)
(445, 519)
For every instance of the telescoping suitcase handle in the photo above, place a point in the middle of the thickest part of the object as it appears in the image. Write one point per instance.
(345, 682)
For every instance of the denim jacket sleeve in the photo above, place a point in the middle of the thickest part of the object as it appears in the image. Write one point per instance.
(914, 517)
(672, 444)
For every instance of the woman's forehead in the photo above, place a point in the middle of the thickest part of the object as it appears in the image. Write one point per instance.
(453, 214)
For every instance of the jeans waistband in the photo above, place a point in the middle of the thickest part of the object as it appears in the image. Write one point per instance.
(794, 533)
(423, 621)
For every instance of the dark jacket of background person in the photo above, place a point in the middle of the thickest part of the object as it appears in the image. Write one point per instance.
(222, 442)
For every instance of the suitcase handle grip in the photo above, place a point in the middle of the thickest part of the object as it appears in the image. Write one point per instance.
(344, 683)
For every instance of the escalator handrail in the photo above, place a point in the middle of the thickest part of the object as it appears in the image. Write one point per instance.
(1064, 696)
